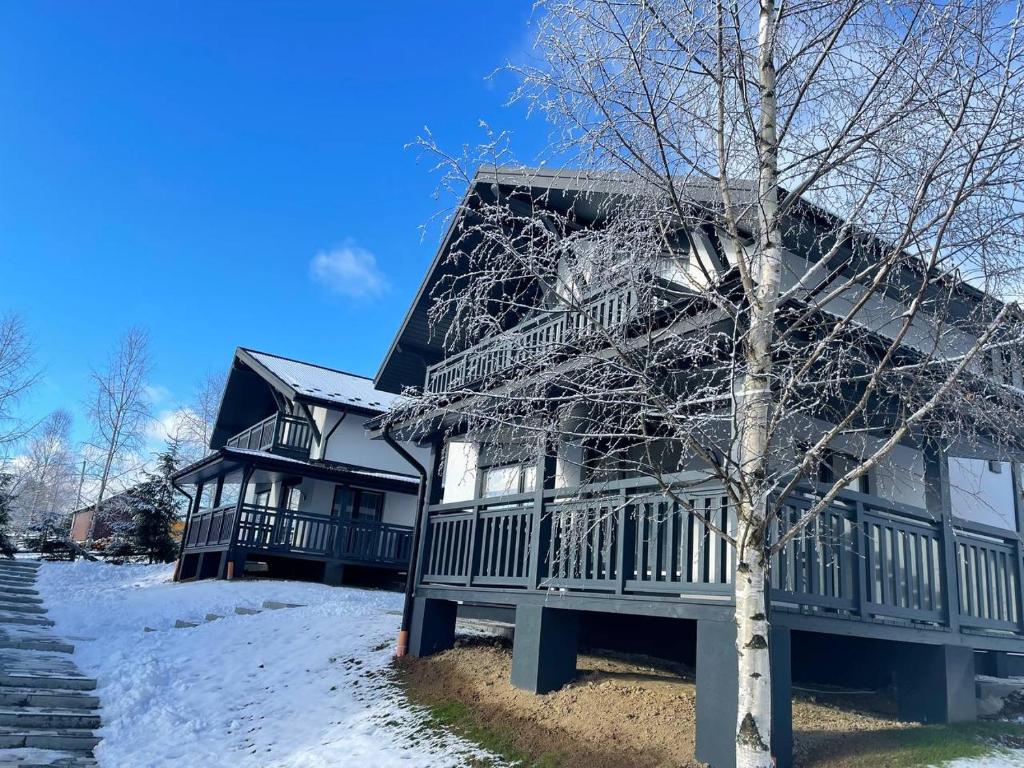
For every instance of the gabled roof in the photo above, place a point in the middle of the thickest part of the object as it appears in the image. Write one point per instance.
(312, 382)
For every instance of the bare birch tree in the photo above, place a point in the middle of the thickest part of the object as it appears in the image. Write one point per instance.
(17, 375)
(119, 409)
(816, 210)
(47, 475)
(198, 416)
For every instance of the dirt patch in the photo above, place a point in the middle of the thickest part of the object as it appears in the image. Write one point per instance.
(624, 711)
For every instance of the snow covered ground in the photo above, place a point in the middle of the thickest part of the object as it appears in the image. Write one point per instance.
(301, 687)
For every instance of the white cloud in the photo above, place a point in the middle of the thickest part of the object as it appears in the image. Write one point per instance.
(349, 271)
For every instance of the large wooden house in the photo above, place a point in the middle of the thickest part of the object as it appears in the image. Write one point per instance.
(915, 575)
(293, 486)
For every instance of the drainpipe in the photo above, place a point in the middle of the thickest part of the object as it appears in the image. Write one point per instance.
(403, 632)
(184, 531)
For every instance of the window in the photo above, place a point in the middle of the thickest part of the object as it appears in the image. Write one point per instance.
(834, 465)
(509, 479)
(357, 503)
(996, 466)
(261, 497)
(230, 489)
(291, 496)
(206, 493)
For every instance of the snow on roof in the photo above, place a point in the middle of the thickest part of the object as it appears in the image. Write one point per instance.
(316, 381)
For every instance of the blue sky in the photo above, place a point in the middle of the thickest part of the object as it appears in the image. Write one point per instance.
(183, 167)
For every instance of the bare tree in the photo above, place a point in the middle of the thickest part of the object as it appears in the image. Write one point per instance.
(47, 473)
(119, 409)
(17, 376)
(813, 214)
(198, 416)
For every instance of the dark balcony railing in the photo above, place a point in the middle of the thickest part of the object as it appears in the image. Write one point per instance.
(548, 332)
(284, 531)
(210, 527)
(280, 432)
(864, 558)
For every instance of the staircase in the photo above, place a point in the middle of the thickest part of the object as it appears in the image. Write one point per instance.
(48, 712)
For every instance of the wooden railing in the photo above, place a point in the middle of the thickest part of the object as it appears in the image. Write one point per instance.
(280, 432)
(550, 331)
(864, 557)
(210, 527)
(284, 531)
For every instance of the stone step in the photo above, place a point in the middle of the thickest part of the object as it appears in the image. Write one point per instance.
(46, 758)
(15, 597)
(43, 738)
(9, 581)
(42, 643)
(26, 564)
(16, 617)
(60, 698)
(49, 718)
(9, 590)
(21, 607)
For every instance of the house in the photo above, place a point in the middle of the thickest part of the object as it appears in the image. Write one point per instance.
(86, 526)
(914, 575)
(293, 486)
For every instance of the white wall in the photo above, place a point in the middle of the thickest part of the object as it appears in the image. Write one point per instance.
(981, 495)
(350, 444)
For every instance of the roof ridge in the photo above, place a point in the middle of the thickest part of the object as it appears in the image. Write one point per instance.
(250, 350)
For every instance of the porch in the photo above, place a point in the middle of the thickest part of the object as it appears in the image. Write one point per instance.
(868, 561)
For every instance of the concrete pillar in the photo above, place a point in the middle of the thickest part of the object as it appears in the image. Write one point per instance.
(717, 683)
(433, 626)
(334, 574)
(544, 648)
(935, 683)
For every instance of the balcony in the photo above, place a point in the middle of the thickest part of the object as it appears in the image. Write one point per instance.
(548, 332)
(280, 433)
(865, 559)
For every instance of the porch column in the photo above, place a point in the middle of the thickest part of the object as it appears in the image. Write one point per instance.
(233, 563)
(935, 683)
(937, 501)
(433, 626)
(717, 683)
(544, 648)
(193, 507)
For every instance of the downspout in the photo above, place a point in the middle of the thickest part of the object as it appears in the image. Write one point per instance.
(184, 531)
(410, 580)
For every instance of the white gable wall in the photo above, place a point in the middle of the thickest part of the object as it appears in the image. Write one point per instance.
(350, 444)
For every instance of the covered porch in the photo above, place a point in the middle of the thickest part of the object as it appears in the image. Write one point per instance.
(257, 513)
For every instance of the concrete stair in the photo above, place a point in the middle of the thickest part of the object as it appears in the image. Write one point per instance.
(47, 715)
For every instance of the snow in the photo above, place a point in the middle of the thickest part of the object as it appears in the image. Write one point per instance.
(304, 687)
(1009, 758)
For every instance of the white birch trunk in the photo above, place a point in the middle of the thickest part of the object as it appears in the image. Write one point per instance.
(753, 716)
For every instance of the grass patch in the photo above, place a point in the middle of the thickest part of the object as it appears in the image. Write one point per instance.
(458, 718)
(924, 745)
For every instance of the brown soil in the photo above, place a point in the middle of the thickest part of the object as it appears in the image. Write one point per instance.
(625, 711)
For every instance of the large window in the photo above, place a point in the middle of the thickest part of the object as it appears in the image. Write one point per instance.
(357, 503)
(207, 494)
(508, 479)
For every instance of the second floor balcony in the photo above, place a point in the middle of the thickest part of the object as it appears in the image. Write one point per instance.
(279, 433)
(549, 332)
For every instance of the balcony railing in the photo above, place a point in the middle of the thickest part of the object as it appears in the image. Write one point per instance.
(210, 527)
(278, 433)
(864, 558)
(283, 531)
(549, 332)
